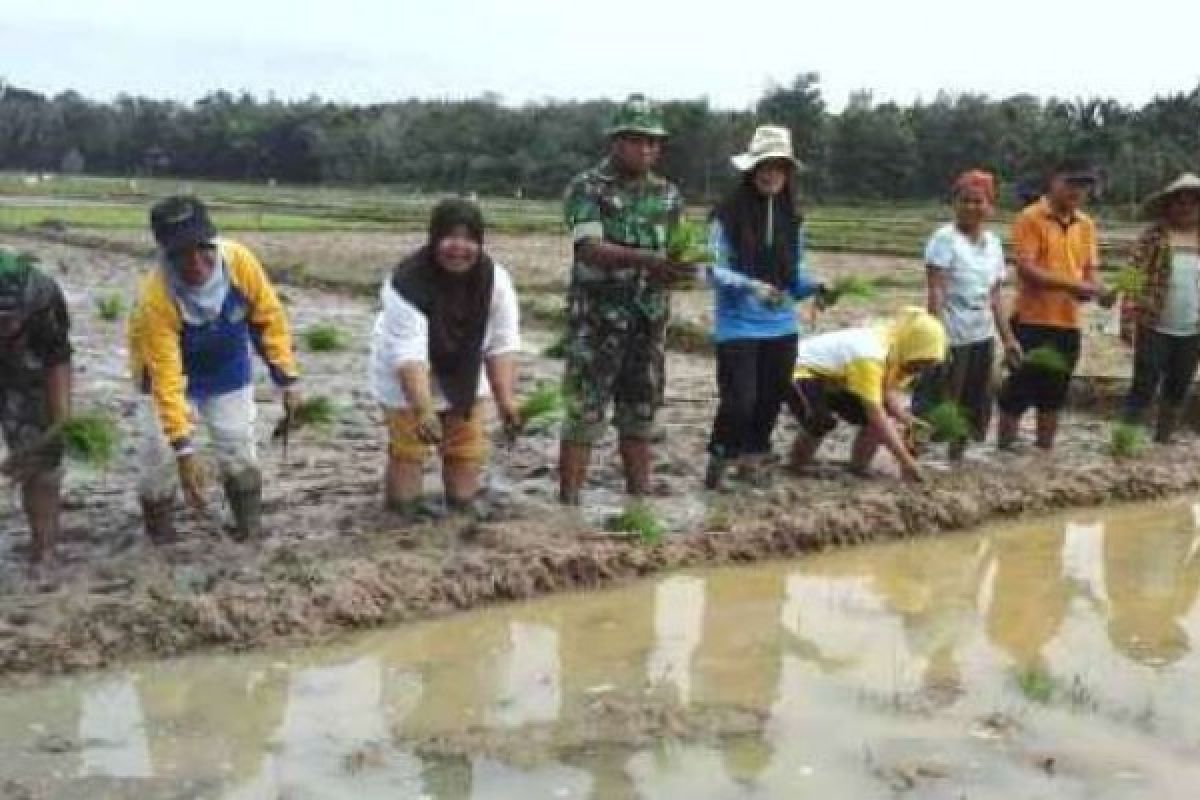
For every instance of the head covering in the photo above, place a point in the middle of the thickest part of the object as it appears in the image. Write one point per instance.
(1075, 170)
(456, 305)
(978, 180)
(916, 335)
(15, 270)
(1156, 204)
(180, 222)
(637, 115)
(769, 142)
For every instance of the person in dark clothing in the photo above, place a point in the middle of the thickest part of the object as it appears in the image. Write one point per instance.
(35, 392)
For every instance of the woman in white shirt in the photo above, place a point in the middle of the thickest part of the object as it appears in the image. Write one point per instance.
(1163, 319)
(964, 268)
(446, 339)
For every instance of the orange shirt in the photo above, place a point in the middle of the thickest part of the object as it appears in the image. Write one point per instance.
(1068, 249)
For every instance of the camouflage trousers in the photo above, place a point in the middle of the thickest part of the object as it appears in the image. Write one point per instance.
(616, 355)
(25, 417)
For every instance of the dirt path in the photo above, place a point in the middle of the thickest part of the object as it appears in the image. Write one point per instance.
(335, 561)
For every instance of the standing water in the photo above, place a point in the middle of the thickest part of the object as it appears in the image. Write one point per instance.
(1054, 659)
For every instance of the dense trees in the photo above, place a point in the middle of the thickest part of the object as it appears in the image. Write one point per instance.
(869, 151)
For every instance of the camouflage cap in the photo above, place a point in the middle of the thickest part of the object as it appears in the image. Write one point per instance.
(637, 115)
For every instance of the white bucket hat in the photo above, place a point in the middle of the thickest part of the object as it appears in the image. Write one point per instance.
(769, 142)
(1154, 204)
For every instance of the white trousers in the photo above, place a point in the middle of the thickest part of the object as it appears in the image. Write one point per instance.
(229, 420)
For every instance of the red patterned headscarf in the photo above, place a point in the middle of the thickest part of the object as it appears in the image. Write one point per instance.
(977, 179)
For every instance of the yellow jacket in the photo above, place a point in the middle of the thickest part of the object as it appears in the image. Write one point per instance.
(157, 333)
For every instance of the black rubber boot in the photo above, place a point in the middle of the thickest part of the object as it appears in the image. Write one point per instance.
(158, 515)
(1168, 420)
(244, 493)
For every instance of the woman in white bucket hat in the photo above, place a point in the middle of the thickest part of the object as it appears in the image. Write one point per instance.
(758, 275)
(1163, 318)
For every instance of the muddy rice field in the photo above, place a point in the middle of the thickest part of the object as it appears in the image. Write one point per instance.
(123, 670)
(333, 560)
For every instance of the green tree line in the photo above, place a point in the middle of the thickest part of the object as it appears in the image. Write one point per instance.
(870, 151)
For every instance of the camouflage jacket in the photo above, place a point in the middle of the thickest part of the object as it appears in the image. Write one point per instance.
(599, 204)
(42, 339)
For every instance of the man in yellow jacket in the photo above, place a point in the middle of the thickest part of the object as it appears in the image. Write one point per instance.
(197, 316)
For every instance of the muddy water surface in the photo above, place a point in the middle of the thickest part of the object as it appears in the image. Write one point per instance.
(1054, 659)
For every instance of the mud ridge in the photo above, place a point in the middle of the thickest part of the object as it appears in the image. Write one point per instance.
(309, 595)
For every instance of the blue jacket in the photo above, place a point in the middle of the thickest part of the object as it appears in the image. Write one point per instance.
(738, 313)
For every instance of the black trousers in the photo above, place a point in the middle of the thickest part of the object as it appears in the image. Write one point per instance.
(753, 379)
(1032, 386)
(964, 378)
(1161, 360)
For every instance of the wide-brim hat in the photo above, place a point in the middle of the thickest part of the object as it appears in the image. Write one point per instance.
(769, 143)
(1154, 204)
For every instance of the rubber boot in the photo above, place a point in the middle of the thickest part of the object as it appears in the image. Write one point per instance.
(635, 457)
(243, 490)
(1007, 427)
(714, 473)
(158, 515)
(804, 448)
(1047, 429)
(40, 498)
(1168, 420)
(572, 471)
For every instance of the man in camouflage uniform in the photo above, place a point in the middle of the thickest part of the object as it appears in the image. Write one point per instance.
(35, 391)
(618, 214)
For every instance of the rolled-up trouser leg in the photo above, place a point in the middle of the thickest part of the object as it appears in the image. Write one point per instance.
(230, 421)
(158, 477)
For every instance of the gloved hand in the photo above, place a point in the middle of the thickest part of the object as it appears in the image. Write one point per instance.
(429, 425)
(192, 479)
(767, 294)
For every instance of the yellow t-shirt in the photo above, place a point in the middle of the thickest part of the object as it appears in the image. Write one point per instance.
(854, 359)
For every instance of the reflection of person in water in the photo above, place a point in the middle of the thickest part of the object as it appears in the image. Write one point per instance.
(740, 658)
(216, 712)
(1152, 574)
(935, 599)
(1029, 595)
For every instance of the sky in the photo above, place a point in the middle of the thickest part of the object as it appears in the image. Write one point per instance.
(530, 50)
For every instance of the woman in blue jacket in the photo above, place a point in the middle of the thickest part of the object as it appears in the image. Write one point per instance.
(758, 275)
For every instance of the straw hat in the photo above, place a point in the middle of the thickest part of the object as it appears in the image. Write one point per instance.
(768, 142)
(1154, 204)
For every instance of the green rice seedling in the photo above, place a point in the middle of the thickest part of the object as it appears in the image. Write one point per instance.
(1130, 281)
(949, 422)
(315, 412)
(90, 439)
(1047, 359)
(325, 338)
(639, 518)
(687, 242)
(1036, 684)
(546, 402)
(1127, 440)
(853, 287)
(110, 307)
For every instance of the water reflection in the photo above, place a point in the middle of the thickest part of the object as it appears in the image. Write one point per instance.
(503, 703)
